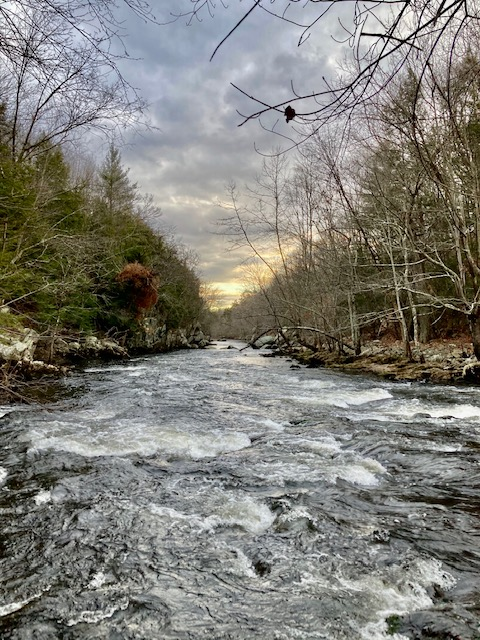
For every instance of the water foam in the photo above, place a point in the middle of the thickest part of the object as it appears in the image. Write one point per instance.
(220, 509)
(410, 593)
(7, 609)
(176, 516)
(353, 398)
(398, 590)
(272, 425)
(327, 444)
(93, 616)
(200, 445)
(313, 460)
(415, 409)
(3, 475)
(241, 565)
(43, 497)
(98, 580)
(244, 512)
(458, 411)
(364, 473)
(346, 399)
(97, 414)
(315, 385)
(114, 368)
(124, 439)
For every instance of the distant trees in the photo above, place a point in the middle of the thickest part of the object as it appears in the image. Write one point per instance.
(382, 229)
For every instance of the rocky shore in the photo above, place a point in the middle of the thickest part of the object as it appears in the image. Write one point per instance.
(439, 361)
(30, 363)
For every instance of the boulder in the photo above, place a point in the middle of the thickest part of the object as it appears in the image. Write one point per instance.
(471, 371)
(263, 342)
(103, 348)
(90, 347)
(32, 369)
(18, 344)
(197, 339)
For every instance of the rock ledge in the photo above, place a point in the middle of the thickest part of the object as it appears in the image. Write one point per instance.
(439, 361)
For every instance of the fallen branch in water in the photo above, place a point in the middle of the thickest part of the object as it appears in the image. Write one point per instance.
(8, 391)
(323, 333)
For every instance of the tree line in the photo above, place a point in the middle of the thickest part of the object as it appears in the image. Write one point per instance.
(374, 225)
(66, 238)
(78, 251)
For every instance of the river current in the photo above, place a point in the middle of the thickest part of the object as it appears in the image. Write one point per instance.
(221, 494)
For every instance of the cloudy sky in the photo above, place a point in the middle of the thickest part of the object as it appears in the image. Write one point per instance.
(197, 147)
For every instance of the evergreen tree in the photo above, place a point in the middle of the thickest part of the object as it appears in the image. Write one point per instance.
(117, 193)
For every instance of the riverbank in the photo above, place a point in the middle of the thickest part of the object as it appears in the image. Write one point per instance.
(439, 361)
(31, 365)
(28, 379)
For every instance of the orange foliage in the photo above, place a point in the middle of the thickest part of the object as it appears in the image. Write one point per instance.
(143, 285)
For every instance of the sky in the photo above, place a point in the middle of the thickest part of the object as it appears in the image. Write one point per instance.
(196, 147)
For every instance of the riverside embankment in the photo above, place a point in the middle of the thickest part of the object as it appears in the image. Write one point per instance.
(438, 361)
(30, 363)
(447, 360)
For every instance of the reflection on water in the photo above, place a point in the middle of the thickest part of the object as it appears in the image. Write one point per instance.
(221, 494)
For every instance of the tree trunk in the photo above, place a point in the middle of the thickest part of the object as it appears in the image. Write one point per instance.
(425, 325)
(354, 328)
(474, 319)
(416, 325)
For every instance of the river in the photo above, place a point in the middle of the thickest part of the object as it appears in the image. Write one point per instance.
(221, 494)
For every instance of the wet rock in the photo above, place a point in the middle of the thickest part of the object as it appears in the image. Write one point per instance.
(437, 362)
(262, 567)
(90, 347)
(197, 339)
(155, 337)
(105, 348)
(471, 371)
(263, 342)
(436, 625)
(27, 370)
(381, 535)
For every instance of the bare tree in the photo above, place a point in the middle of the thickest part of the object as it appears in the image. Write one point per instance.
(257, 226)
(295, 225)
(59, 73)
(383, 35)
(420, 187)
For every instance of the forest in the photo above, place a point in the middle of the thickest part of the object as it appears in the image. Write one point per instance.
(67, 240)
(372, 227)
(81, 252)
(367, 223)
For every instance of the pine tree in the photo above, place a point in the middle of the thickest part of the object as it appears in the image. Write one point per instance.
(117, 193)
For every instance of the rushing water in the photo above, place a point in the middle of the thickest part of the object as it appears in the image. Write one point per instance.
(220, 494)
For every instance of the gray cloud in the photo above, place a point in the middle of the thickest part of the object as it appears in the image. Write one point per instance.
(198, 147)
